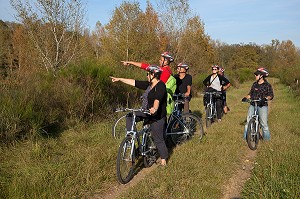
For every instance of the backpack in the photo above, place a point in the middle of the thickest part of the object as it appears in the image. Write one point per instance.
(171, 87)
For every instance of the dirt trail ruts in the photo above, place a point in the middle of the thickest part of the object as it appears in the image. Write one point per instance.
(234, 185)
(118, 189)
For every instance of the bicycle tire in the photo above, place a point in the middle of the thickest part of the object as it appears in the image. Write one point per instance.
(198, 129)
(151, 154)
(125, 163)
(188, 126)
(252, 136)
(119, 127)
(208, 116)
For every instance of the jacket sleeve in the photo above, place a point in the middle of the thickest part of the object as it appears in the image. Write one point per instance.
(206, 81)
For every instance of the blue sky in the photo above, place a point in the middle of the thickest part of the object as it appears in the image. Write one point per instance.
(230, 21)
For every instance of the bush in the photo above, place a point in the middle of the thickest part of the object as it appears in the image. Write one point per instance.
(41, 102)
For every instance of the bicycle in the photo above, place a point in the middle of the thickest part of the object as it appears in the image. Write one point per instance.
(135, 144)
(253, 130)
(181, 127)
(211, 107)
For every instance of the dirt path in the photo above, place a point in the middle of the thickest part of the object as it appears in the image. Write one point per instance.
(115, 191)
(234, 185)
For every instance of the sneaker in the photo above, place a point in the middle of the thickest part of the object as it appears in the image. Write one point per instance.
(219, 120)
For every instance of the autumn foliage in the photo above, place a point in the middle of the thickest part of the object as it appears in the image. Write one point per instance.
(53, 75)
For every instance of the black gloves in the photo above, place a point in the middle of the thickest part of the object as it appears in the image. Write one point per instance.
(244, 99)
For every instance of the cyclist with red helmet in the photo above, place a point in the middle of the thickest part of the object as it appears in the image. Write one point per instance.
(164, 62)
(261, 89)
(215, 82)
(184, 84)
(154, 100)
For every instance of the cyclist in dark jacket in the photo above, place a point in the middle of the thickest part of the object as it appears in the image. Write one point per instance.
(261, 89)
(184, 84)
(154, 100)
(216, 82)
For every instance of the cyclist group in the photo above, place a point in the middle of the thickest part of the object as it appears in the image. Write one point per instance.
(160, 87)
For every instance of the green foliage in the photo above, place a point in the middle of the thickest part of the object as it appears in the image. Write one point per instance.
(243, 74)
(198, 82)
(40, 102)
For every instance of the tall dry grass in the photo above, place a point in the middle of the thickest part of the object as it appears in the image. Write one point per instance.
(81, 161)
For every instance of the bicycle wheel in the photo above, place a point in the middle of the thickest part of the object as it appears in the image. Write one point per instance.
(252, 136)
(126, 161)
(184, 128)
(150, 151)
(196, 126)
(208, 116)
(119, 127)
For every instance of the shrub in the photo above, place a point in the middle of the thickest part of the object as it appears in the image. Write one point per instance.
(38, 102)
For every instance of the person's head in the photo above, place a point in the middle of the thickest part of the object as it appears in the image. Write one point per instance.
(261, 73)
(182, 68)
(154, 72)
(215, 69)
(221, 70)
(165, 59)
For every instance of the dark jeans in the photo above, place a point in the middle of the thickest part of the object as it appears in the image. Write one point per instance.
(157, 131)
(219, 104)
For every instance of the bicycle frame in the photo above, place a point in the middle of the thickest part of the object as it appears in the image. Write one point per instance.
(176, 114)
(212, 104)
(134, 134)
(255, 115)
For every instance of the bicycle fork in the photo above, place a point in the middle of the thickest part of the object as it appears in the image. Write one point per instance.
(131, 145)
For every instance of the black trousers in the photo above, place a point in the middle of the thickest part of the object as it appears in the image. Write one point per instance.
(157, 131)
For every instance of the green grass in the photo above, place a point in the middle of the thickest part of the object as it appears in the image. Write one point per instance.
(81, 161)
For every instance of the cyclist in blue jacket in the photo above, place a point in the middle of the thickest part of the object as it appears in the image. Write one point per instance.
(261, 89)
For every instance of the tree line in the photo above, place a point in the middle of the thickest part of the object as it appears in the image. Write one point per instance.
(54, 69)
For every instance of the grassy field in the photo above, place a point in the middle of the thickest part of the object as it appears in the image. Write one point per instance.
(81, 161)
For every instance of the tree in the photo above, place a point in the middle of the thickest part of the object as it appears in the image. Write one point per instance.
(195, 46)
(55, 28)
(174, 16)
(5, 48)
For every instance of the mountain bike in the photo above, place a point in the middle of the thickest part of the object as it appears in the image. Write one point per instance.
(211, 107)
(253, 130)
(136, 144)
(181, 127)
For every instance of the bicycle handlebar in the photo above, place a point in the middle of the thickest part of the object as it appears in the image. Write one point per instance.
(251, 100)
(213, 92)
(122, 109)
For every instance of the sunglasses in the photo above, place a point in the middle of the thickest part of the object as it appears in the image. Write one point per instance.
(214, 69)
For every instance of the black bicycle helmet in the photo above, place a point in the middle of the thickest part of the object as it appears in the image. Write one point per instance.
(262, 71)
